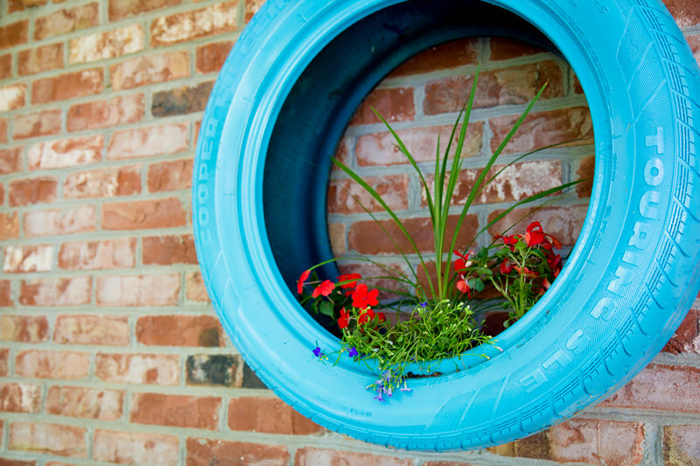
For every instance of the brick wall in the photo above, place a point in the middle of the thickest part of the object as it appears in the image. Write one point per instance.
(110, 351)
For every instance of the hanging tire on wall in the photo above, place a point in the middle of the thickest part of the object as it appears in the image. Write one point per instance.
(276, 113)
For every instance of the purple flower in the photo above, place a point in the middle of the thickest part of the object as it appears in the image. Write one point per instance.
(424, 304)
(379, 396)
(317, 352)
(352, 352)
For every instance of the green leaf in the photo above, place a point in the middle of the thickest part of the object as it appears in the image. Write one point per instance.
(327, 308)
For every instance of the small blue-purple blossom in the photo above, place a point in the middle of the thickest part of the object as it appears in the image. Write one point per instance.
(379, 396)
(352, 352)
(317, 352)
(424, 304)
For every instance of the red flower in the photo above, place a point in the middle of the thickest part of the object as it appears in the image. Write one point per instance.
(463, 286)
(535, 234)
(300, 283)
(462, 263)
(363, 298)
(381, 317)
(506, 267)
(555, 264)
(347, 278)
(525, 271)
(510, 241)
(324, 289)
(365, 316)
(344, 319)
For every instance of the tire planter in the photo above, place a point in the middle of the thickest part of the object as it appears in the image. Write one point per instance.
(275, 115)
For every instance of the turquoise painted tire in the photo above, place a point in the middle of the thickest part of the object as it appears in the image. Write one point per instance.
(275, 115)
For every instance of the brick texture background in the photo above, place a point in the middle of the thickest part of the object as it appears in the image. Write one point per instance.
(110, 351)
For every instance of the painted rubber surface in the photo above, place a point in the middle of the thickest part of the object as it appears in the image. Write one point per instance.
(627, 285)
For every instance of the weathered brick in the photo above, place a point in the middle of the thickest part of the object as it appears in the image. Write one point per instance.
(211, 57)
(562, 222)
(90, 403)
(53, 439)
(9, 225)
(24, 328)
(585, 171)
(120, 9)
(72, 220)
(252, 7)
(40, 59)
(506, 48)
(49, 364)
(379, 149)
(687, 336)
(98, 255)
(3, 131)
(393, 104)
(14, 34)
(685, 12)
(445, 56)
(6, 294)
(216, 19)
(179, 330)
(170, 176)
(195, 288)
(168, 250)
(135, 448)
(144, 290)
(66, 20)
(15, 462)
(10, 160)
(63, 153)
(345, 196)
(694, 42)
(597, 441)
(67, 86)
(21, 5)
(147, 142)
(106, 113)
(137, 215)
(32, 125)
(150, 69)
(182, 100)
(204, 452)
(107, 44)
(175, 410)
(108, 182)
(33, 191)
(251, 379)
(157, 369)
(30, 258)
(6, 66)
(12, 97)
(308, 456)
(509, 86)
(681, 445)
(20, 398)
(337, 235)
(47, 292)
(268, 415)
(215, 370)
(92, 330)
(4, 363)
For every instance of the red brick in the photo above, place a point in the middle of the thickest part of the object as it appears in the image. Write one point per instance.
(135, 448)
(98, 255)
(4, 363)
(205, 452)
(345, 196)
(686, 12)
(505, 48)
(10, 160)
(147, 142)
(12, 97)
(211, 57)
(14, 462)
(74, 291)
(195, 289)
(337, 234)
(269, 416)
(48, 364)
(108, 182)
(106, 113)
(181, 27)
(509, 86)
(67, 86)
(392, 104)
(585, 171)
(14, 34)
(694, 42)
(687, 337)
(120, 9)
(92, 330)
(367, 237)
(6, 294)
(33, 191)
(105, 405)
(668, 388)
(308, 456)
(137, 215)
(157, 369)
(442, 57)
(20, 398)
(72, 220)
(21, 5)
(179, 330)
(150, 69)
(32, 125)
(562, 222)
(107, 44)
(61, 153)
(53, 439)
(380, 149)
(144, 290)
(542, 129)
(26, 259)
(597, 441)
(3, 130)
(175, 410)
(67, 20)
(40, 59)
(445, 463)
(181, 100)
(9, 225)
(168, 250)
(252, 7)
(170, 176)
(24, 328)
(6, 66)
(681, 445)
